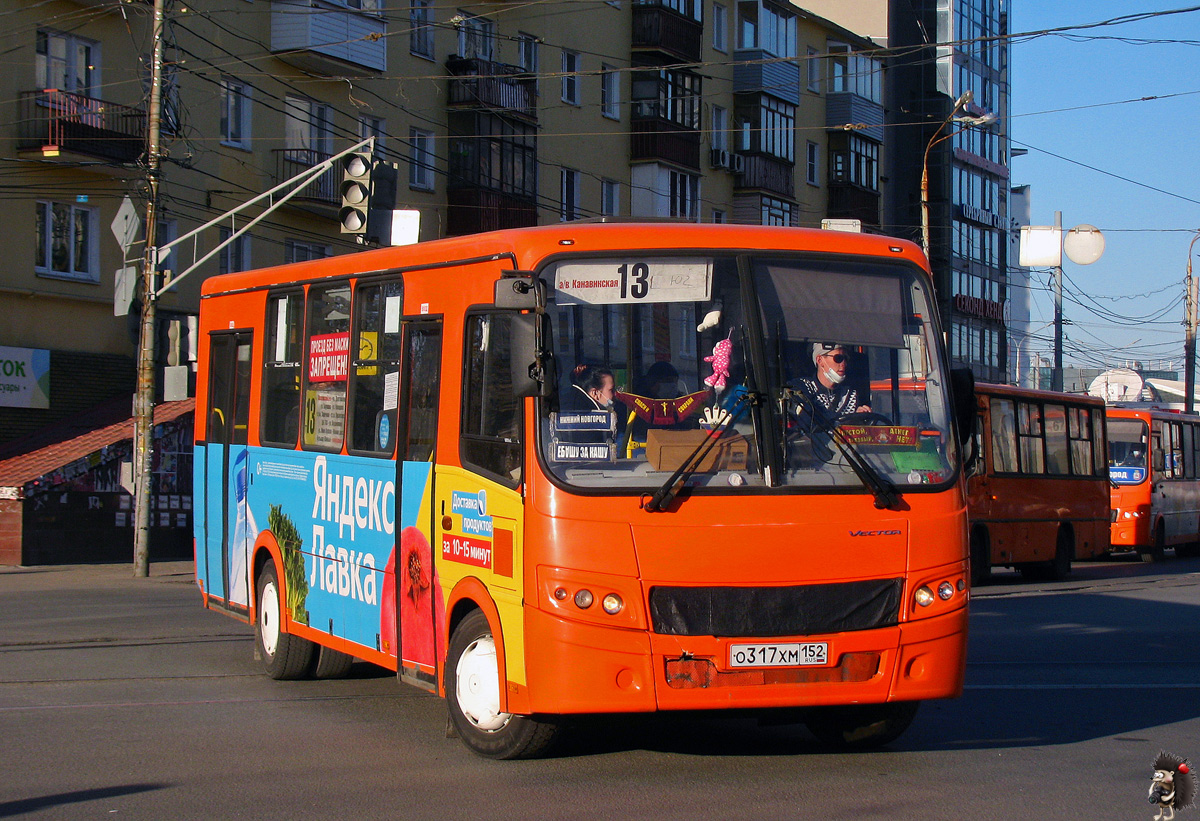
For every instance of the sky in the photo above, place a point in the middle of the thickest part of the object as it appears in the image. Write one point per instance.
(1103, 155)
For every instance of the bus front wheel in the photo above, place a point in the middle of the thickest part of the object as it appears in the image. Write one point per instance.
(861, 726)
(473, 696)
(1156, 552)
(286, 656)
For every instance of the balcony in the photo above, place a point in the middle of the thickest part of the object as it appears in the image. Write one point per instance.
(55, 122)
(657, 139)
(328, 39)
(495, 86)
(324, 190)
(769, 174)
(759, 72)
(658, 28)
(472, 210)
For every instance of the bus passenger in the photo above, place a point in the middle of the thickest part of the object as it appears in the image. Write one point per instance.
(592, 388)
(829, 388)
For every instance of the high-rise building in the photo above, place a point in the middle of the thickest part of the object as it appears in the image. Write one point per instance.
(938, 52)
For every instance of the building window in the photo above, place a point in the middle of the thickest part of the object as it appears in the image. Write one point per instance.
(769, 128)
(497, 154)
(610, 198)
(307, 126)
(376, 127)
(236, 255)
(858, 163)
(420, 159)
(66, 242)
(813, 72)
(720, 128)
(299, 251)
(527, 53)
(668, 95)
(67, 63)
(720, 39)
(235, 113)
(718, 217)
(776, 212)
(685, 195)
(762, 26)
(570, 77)
(812, 153)
(610, 92)
(853, 73)
(476, 37)
(569, 193)
(420, 28)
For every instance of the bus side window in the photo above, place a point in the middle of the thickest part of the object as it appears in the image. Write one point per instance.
(1004, 437)
(491, 415)
(327, 350)
(375, 367)
(281, 366)
(1029, 432)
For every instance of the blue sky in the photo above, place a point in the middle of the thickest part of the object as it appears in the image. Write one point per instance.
(1068, 109)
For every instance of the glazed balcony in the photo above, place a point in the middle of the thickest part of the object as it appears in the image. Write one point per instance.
(61, 122)
(473, 210)
(653, 138)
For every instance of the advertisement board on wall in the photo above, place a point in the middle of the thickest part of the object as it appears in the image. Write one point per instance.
(24, 378)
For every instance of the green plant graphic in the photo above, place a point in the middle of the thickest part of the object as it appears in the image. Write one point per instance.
(290, 544)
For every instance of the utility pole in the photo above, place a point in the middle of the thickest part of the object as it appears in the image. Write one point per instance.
(1189, 339)
(143, 405)
(1056, 382)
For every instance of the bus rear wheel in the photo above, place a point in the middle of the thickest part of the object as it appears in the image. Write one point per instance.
(473, 696)
(286, 656)
(329, 663)
(861, 726)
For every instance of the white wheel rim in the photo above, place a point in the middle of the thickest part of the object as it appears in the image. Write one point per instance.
(268, 618)
(477, 685)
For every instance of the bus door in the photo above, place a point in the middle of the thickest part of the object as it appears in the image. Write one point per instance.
(418, 604)
(227, 536)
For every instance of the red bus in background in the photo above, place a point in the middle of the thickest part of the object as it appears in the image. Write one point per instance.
(1037, 494)
(1155, 476)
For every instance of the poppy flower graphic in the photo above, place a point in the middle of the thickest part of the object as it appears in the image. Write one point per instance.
(419, 605)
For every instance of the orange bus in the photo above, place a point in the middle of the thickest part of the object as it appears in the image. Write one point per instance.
(1155, 481)
(422, 457)
(1037, 490)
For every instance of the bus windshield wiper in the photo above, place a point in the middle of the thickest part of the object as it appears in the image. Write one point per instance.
(887, 496)
(663, 497)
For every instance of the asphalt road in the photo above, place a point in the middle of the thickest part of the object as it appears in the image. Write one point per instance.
(122, 698)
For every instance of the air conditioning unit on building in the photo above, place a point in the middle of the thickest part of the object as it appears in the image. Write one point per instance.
(719, 158)
(738, 163)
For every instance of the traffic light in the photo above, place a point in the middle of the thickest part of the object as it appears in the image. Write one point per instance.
(356, 192)
(368, 197)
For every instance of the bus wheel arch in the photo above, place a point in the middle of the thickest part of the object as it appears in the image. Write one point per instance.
(981, 554)
(284, 655)
(474, 694)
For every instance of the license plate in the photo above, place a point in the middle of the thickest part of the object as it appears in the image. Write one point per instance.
(799, 654)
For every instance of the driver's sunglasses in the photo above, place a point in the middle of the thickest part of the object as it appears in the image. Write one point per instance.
(837, 357)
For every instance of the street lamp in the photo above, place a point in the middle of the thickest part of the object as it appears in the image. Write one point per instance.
(1044, 245)
(966, 121)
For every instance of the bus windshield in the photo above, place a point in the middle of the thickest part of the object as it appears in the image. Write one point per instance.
(783, 370)
(1127, 444)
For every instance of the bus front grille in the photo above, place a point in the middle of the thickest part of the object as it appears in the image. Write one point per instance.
(795, 610)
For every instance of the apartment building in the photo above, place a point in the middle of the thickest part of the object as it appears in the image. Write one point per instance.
(495, 115)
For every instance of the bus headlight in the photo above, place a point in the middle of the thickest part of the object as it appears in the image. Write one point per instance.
(945, 591)
(612, 604)
(583, 599)
(924, 596)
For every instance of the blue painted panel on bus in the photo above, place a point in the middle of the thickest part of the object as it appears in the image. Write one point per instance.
(334, 519)
(1126, 475)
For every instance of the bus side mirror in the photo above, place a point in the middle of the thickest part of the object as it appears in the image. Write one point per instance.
(520, 291)
(962, 394)
(533, 371)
